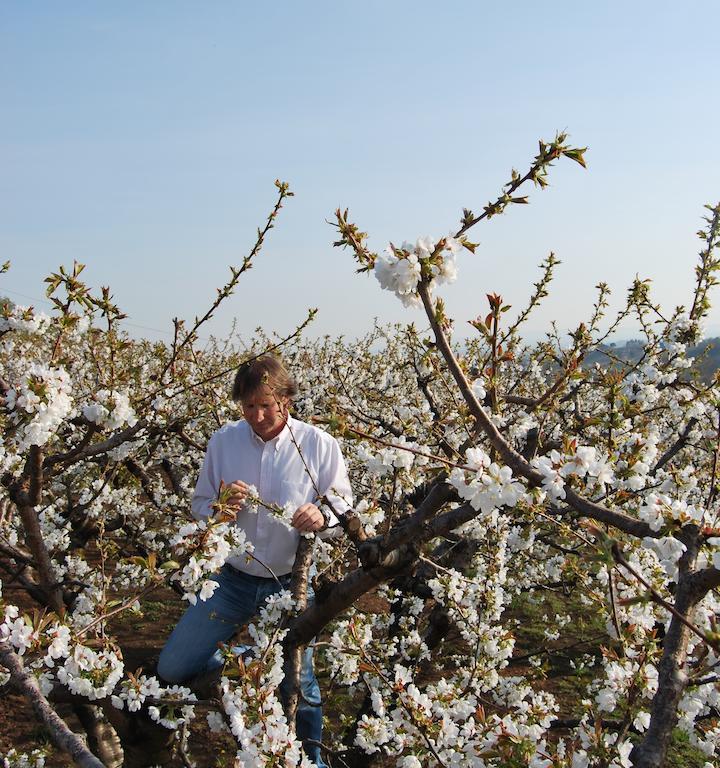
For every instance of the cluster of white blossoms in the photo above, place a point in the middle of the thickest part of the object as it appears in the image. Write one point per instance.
(135, 690)
(700, 703)
(206, 544)
(110, 409)
(371, 515)
(265, 633)
(176, 708)
(684, 330)
(406, 719)
(478, 389)
(669, 551)
(549, 466)
(16, 630)
(91, 674)
(23, 319)
(257, 720)
(636, 457)
(462, 599)
(486, 485)
(345, 665)
(283, 514)
(39, 401)
(585, 464)
(591, 466)
(58, 639)
(50, 643)
(15, 759)
(659, 509)
(641, 387)
(602, 745)
(400, 269)
(386, 459)
(55, 529)
(622, 677)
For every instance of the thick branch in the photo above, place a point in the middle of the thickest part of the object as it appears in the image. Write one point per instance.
(384, 559)
(705, 580)
(672, 679)
(337, 598)
(16, 574)
(533, 404)
(26, 502)
(171, 472)
(603, 514)
(88, 451)
(293, 654)
(388, 550)
(142, 476)
(677, 446)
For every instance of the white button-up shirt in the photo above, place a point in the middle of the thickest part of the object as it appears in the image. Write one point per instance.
(278, 471)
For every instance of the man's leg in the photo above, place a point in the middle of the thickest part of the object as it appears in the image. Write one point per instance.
(189, 650)
(308, 720)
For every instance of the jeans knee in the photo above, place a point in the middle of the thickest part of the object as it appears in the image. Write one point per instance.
(310, 691)
(167, 670)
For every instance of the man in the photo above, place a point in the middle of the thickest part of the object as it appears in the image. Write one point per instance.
(286, 461)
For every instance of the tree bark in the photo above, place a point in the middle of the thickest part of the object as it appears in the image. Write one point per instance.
(102, 739)
(672, 680)
(26, 502)
(293, 653)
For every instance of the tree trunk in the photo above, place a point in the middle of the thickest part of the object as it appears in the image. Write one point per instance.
(672, 680)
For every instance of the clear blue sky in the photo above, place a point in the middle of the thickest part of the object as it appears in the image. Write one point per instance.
(143, 139)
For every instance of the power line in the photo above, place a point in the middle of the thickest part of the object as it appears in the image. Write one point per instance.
(25, 296)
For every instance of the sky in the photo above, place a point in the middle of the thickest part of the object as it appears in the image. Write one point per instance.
(143, 140)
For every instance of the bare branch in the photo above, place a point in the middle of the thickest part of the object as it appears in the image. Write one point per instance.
(84, 451)
(293, 654)
(675, 448)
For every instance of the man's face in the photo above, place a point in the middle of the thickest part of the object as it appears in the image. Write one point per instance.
(265, 412)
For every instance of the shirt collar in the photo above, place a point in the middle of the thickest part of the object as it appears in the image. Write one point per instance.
(280, 439)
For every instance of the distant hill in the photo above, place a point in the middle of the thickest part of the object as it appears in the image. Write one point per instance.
(707, 354)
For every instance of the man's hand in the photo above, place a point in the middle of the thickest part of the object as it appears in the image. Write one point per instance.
(236, 491)
(308, 518)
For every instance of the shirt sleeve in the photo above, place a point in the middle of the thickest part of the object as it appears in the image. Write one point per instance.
(207, 486)
(335, 486)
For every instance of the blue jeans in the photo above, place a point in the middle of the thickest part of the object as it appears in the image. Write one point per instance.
(191, 648)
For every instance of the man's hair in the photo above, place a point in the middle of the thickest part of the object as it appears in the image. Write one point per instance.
(267, 370)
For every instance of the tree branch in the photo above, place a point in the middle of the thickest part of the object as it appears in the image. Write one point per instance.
(293, 654)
